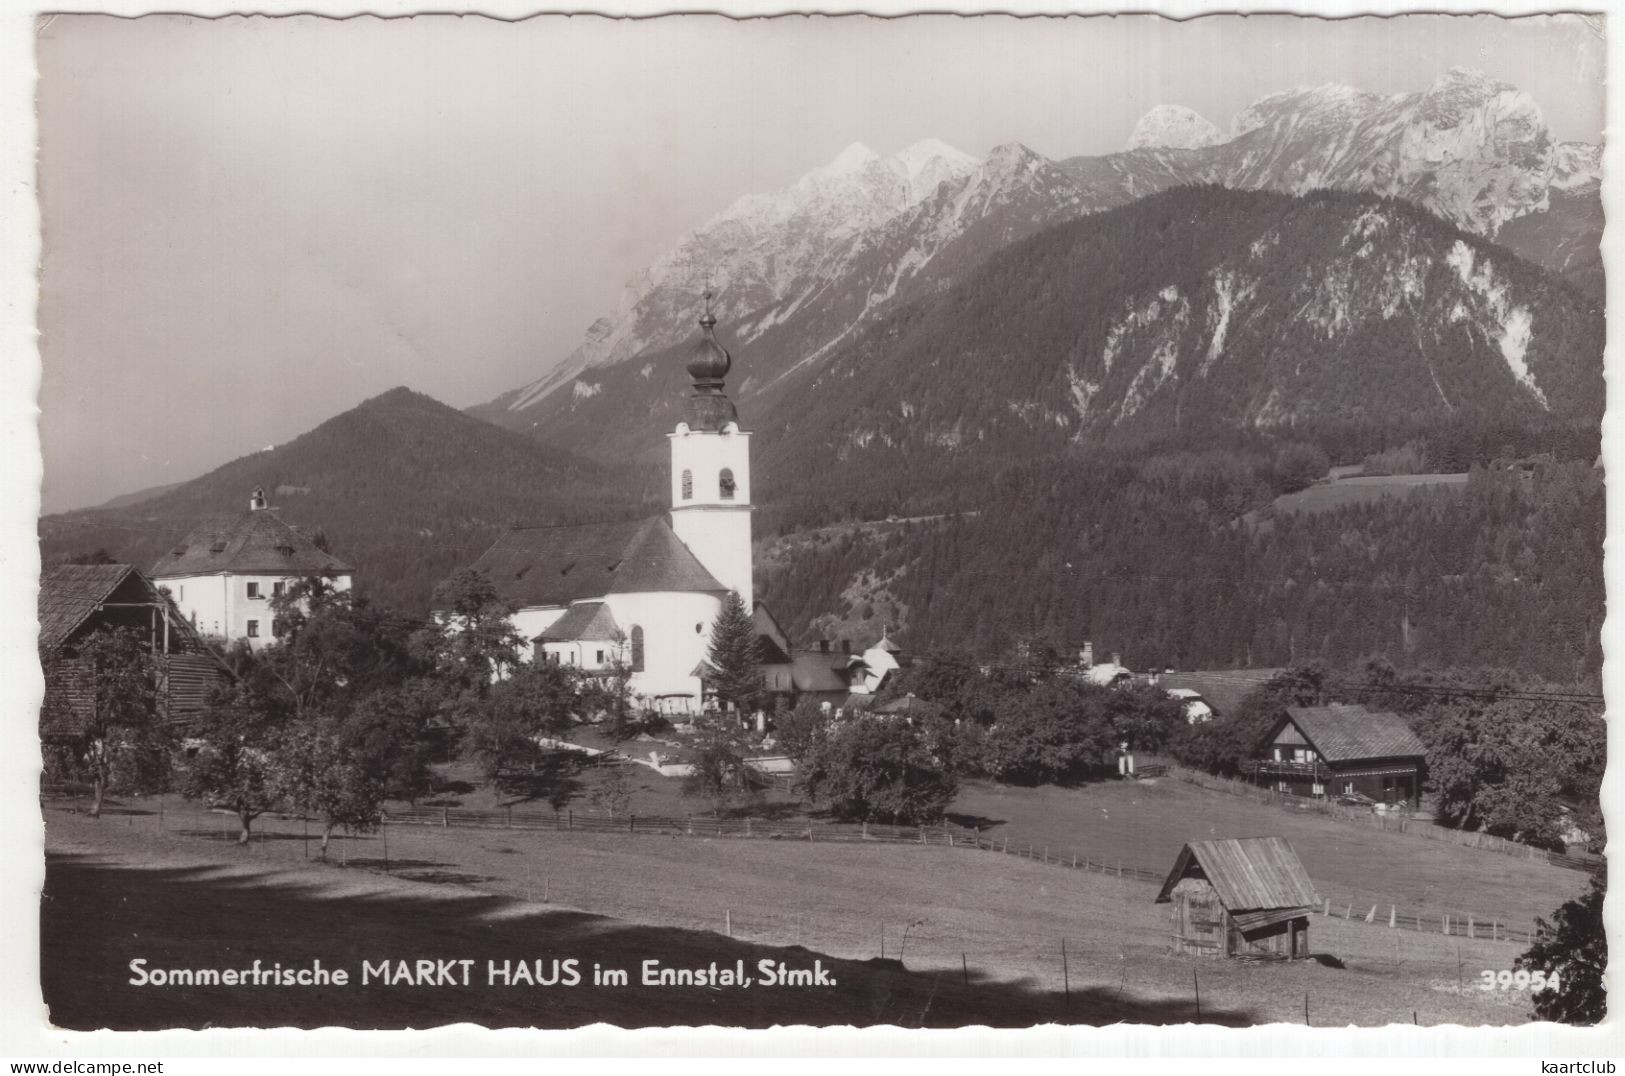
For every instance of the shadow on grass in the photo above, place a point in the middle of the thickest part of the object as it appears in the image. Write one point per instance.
(973, 821)
(97, 917)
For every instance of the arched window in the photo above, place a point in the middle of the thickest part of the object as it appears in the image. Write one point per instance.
(637, 648)
(725, 484)
(688, 485)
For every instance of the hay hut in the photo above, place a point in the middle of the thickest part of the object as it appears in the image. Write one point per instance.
(1246, 896)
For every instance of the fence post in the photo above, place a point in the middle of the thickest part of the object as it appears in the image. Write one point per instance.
(1371, 916)
(747, 827)
(509, 809)
(1391, 917)
(1447, 923)
(570, 820)
(1328, 908)
(1348, 912)
(631, 823)
(1470, 933)
(445, 817)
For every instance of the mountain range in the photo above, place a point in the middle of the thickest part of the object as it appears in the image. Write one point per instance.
(404, 488)
(799, 271)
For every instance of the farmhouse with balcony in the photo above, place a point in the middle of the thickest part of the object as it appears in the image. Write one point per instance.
(223, 575)
(1342, 749)
(75, 601)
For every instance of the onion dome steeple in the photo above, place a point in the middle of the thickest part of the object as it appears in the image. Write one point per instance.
(708, 364)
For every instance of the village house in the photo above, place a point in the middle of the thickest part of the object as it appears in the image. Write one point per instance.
(646, 592)
(1342, 750)
(223, 575)
(77, 600)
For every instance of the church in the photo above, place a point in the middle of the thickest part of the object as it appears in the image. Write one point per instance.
(646, 592)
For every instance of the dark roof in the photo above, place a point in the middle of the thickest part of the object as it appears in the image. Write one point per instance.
(70, 593)
(561, 565)
(1247, 872)
(252, 542)
(771, 636)
(808, 671)
(1346, 733)
(582, 622)
(1223, 689)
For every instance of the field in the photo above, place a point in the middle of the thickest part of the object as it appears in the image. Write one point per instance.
(984, 933)
(1359, 489)
(1145, 823)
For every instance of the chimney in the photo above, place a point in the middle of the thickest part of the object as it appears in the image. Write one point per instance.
(1086, 656)
(1117, 659)
(256, 500)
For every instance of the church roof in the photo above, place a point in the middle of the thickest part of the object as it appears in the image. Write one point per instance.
(560, 565)
(582, 622)
(256, 542)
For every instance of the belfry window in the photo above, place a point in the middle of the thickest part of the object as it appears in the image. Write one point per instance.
(688, 485)
(637, 648)
(725, 484)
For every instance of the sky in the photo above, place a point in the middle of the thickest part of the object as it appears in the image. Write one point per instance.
(253, 224)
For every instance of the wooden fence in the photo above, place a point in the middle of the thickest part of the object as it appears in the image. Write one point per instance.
(1425, 829)
(1467, 925)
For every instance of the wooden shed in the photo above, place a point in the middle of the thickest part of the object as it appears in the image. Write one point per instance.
(1246, 896)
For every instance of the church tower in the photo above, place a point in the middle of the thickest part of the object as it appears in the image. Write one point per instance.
(710, 469)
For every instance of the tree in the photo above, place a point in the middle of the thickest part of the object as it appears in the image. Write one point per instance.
(613, 794)
(875, 769)
(611, 691)
(1058, 730)
(735, 657)
(236, 764)
(472, 644)
(1573, 947)
(388, 732)
(720, 774)
(114, 675)
(536, 700)
(313, 770)
(797, 729)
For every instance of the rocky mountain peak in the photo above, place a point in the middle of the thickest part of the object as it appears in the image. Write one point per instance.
(1174, 127)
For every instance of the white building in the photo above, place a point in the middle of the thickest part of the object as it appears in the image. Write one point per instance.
(646, 591)
(223, 575)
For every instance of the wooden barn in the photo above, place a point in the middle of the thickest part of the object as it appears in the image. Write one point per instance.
(78, 599)
(1246, 896)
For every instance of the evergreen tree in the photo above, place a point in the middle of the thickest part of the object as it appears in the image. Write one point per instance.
(735, 657)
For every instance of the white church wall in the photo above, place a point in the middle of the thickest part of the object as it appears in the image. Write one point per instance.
(676, 636)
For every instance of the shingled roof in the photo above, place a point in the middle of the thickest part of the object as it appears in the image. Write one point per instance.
(560, 565)
(1249, 873)
(1347, 733)
(70, 593)
(254, 542)
(582, 622)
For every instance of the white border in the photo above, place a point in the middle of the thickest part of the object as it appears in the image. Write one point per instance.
(23, 1033)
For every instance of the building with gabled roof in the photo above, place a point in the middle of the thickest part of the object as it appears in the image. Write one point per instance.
(75, 601)
(224, 573)
(1342, 750)
(645, 592)
(1244, 896)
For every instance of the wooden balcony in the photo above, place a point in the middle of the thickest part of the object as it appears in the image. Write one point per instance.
(1266, 767)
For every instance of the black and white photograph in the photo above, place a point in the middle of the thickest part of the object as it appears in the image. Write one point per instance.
(923, 522)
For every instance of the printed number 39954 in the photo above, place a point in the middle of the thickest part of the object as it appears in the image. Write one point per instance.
(1518, 980)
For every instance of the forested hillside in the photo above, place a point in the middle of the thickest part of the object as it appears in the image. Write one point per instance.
(402, 486)
(1146, 556)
